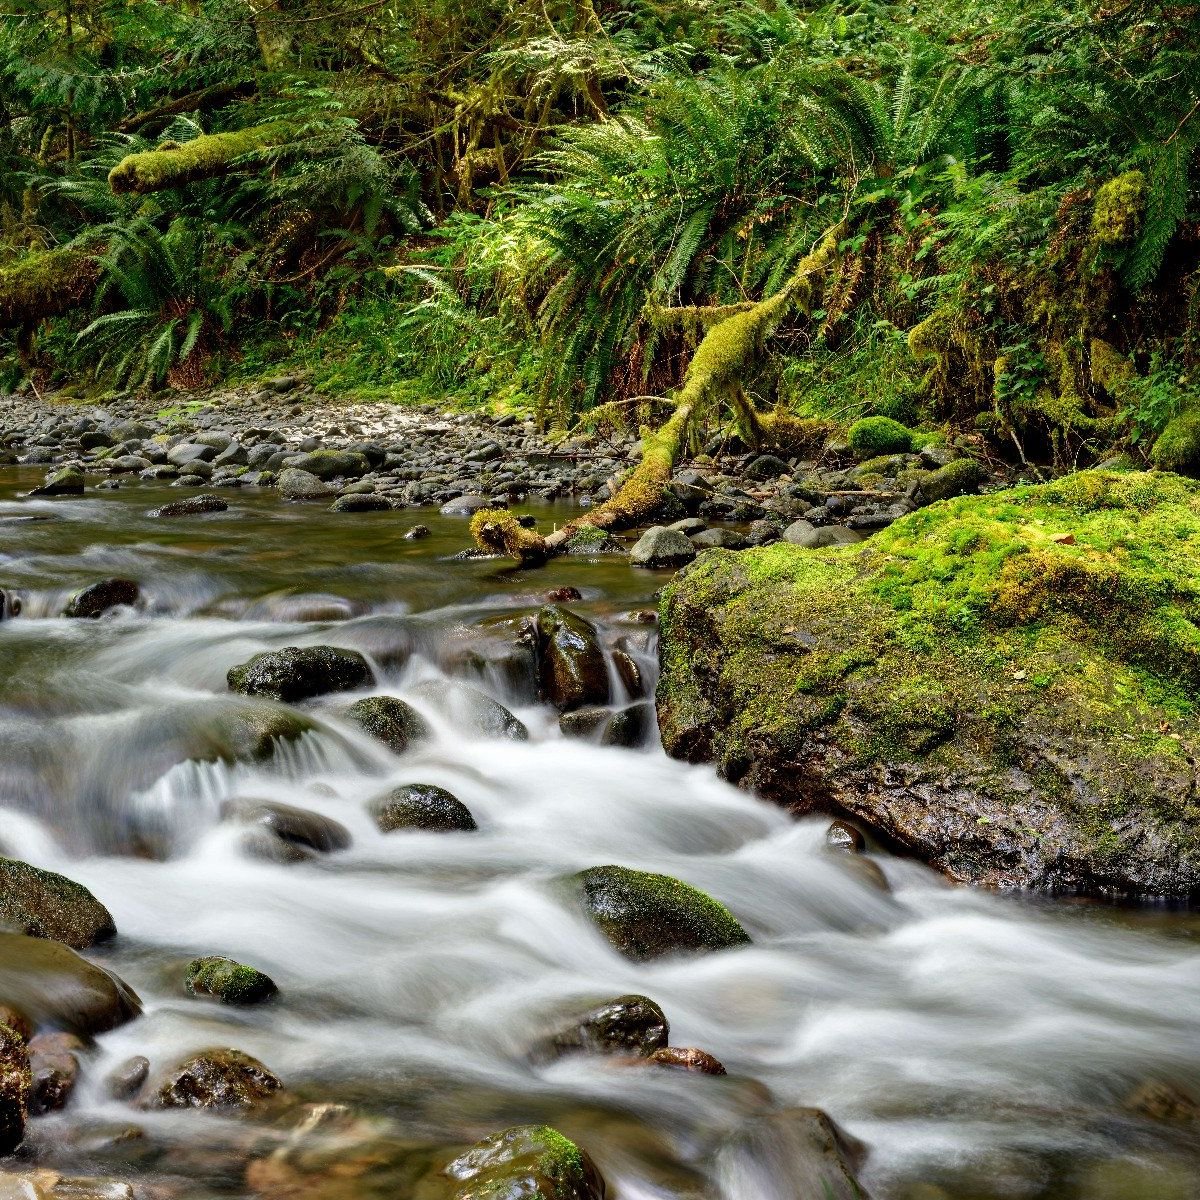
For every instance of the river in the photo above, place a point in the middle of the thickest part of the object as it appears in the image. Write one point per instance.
(980, 1045)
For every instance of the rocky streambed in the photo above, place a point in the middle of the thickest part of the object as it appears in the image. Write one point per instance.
(339, 864)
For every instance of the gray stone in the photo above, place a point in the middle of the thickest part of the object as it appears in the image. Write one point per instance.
(662, 547)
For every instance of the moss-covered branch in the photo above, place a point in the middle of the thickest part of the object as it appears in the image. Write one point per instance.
(201, 101)
(204, 157)
(47, 284)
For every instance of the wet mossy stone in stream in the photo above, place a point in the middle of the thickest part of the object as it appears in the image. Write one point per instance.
(193, 506)
(53, 987)
(469, 710)
(229, 981)
(421, 806)
(389, 720)
(533, 1161)
(646, 916)
(627, 1025)
(46, 905)
(572, 670)
(1004, 685)
(16, 1082)
(252, 732)
(301, 672)
(98, 598)
(219, 1078)
(65, 482)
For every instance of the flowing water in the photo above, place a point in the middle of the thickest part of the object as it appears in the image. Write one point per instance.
(980, 1045)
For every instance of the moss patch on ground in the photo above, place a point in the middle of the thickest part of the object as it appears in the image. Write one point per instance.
(1024, 660)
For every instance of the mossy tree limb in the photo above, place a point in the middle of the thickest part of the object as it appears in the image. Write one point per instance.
(47, 284)
(205, 157)
(713, 378)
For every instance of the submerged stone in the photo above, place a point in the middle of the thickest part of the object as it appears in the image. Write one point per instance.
(532, 1161)
(626, 1025)
(646, 916)
(229, 981)
(299, 673)
(421, 806)
(193, 506)
(470, 710)
(297, 827)
(45, 905)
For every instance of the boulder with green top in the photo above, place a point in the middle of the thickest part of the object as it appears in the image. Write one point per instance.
(389, 720)
(872, 436)
(1002, 685)
(421, 806)
(646, 916)
(229, 981)
(301, 672)
(68, 481)
(46, 905)
(16, 1082)
(531, 1161)
(572, 670)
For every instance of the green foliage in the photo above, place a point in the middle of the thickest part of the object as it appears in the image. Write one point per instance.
(871, 436)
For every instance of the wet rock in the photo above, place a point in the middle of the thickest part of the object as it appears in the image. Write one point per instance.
(332, 464)
(563, 595)
(646, 916)
(958, 478)
(584, 722)
(249, 733)
(421, 806)
(587, 540)
(629, 673)
(126, 1079)
(630, 727)
(724, 539)
(229, 981)
(661, 547)
(54, 1064)
(467, 708)
(293, 826)
(765, 467)
(97, 599)
(465, 506)
(1160, 1100)
(626, 1025)
(10, 605)
(572, 671)
(294, 484)
(57, 988)
(687, 1058)
(214, 1079)
(841, 835)
(15, 1085)
(191, 507)
(689, 526)
(45, 905)
(532, 1161)
(67, 482)
(187, 454)
(361, 503)
(17, 1021)
(299, 673)
(416, 533)
(811, 537)
(389, 720)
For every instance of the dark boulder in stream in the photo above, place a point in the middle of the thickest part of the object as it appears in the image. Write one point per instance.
(627, 1025)
(280, 828)
(66, 482)
(43, 904)
(390, 721)
(218, 1078)
(421, 806)
(193, 506)
(98, 598)
(15, 1085)
(572, 670)
(301, 672)
(1002, 685)
(647, 916)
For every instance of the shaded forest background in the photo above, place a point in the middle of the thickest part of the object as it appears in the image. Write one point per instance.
(549, 203)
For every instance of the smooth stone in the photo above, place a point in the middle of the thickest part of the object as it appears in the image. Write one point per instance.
(192, 506)
(219, 1078)
(97, 599)
(295, 826)
(626, 1025)
(54, 1063)
(421, 806)
(43, 904)
(299, 673)
(662, 547)
(687, 1058)
(389, 720)
(469, 709)
(841, 835)
(572, 670)
(332, 464)
(465, 506)
(361, 502)
(187, 454)
(126, 1079)
(294, 484)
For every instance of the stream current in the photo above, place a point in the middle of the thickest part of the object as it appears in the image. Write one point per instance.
(980, 1045)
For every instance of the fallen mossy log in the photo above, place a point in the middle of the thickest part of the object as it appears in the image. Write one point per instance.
(47, 283)
(713, 378)
(199, 101)
(205, 157)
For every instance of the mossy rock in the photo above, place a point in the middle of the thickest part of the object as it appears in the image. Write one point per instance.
(45, 905)
(421, 806)
(1178, 446)
(16, 1082)
(531, 1161)
(228, 981)
(572, 669)
(646, 916)
(299, 673)
(1003, 685)
(218, 1078)
(389, 720)
(873, 436)
(958, 478)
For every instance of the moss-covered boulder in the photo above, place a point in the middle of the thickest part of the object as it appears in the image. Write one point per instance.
(301, 672)
(872, 436)
(532, 1161)
(572, 670)
(45, 905)
(214, 1079)
(16, 1082)
(229, 981)
(421, 806)
(647, 916)
(389, 720)
(1004, 685)
(1177, 448)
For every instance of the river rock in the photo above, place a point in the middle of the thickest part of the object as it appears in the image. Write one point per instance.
(229, 981)
(467, 708)
(218, 1078)
(57, 988)
(126, 1079)
(331, 464)
(45, 905)
(572, 671)
(630, 727)
(811, 537)
(662, 547)
(841, 835)
(98, 598)
(54, 1064)
(362, 502)
(299, 673)
(532, 1161)
(421, 806)
(986, 690)
(389, 720)
(296, 827)
(191, 507)
(187, 454)
(626, 1025)
(66, 482)
(646, 916)
(294, 484)
(15, 1085)
(465, 506)
(687, 1058)
(247, 732)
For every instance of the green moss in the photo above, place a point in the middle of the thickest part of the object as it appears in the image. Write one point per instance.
(1178, 446)
(872, 436)
(229, 981)
(1119, 209)
(43, 904)
(47, 284)
(526, 1160)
